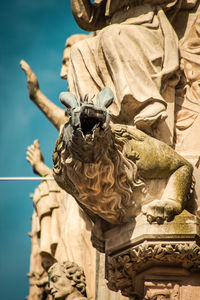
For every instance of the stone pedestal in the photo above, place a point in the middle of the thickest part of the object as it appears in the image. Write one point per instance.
(155, 262)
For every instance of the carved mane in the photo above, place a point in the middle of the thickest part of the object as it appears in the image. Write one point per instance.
(102, 186)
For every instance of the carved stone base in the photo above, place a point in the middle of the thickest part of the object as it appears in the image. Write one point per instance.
(154, 262)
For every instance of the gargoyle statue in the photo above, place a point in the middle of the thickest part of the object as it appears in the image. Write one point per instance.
(105, 165)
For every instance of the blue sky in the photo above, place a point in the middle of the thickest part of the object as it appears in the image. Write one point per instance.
(36, 32)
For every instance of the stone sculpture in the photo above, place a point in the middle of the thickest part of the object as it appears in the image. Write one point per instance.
(145, 260)
(104, 166)
(105, 60)
(38, 278)
(47, 201)
(135, 189)
(53, 226)
(163, 292)
(80, 226)
(85, 254)
(188, 93)
(35, 158)
(67, 281)
(54, 113)
(66, 53)
(45, 225)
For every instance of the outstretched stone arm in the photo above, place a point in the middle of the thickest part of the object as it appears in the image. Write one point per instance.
(35, 158)
(54, 113)
(89, 17)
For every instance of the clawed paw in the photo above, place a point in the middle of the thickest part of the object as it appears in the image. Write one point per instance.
(159, 211)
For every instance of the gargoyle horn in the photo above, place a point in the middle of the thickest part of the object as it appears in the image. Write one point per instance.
(105, 98)
(68, 100)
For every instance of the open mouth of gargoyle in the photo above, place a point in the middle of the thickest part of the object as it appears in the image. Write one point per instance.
(91, 118)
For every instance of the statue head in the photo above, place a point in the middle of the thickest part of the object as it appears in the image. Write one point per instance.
(66, 279)
(66, 54)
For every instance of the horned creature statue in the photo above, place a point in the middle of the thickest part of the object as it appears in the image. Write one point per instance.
(104, 165)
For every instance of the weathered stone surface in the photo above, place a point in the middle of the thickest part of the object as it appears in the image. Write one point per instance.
(147, 258)
(107, 169)
(103, 293)
(137, 78)
(55, 235)
(175, 285)
(73, 237)
(134, 250)
(185, 226)
(67, 281)
(188, 91)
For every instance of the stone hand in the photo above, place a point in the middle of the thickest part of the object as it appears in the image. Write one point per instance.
(160, 210)
(34, 155)
(32, 80)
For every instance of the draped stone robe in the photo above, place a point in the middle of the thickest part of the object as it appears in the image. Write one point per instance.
(135, 53)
